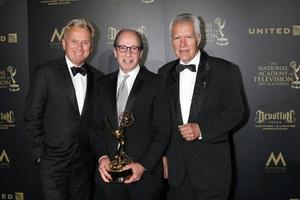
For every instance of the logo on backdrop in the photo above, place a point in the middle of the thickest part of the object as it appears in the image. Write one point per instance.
(7, 79)
(57, 2)
(12, 196)
(296, 72)
(4, 159)
(7, 120)
(143, 1)
(9, 38)
(215, 32)
(147, 1)
(112, 33)
(274, 74)
(275, 121)
(276, 163)
(293, 30)
(55, 41)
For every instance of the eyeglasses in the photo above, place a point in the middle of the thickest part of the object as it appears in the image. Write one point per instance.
(124, 48)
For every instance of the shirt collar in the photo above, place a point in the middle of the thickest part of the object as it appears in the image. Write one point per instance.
(69, 63)
(132, 73)
(195, 61)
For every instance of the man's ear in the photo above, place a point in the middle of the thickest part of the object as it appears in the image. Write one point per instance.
(141, 54)
(63, 42)
(115, 52)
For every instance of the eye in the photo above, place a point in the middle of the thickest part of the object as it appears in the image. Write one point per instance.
(86, 42)
(134, 48)
(123, 47)
(74, 41)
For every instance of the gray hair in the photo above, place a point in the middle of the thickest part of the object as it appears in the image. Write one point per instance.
(81, 23)
(186, 17)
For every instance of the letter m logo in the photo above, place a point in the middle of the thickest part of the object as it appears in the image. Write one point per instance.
(3, 156)
(56, 35)
(275, 160)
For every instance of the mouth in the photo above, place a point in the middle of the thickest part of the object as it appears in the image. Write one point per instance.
(79, 52)
(183, 50)
(127, 61)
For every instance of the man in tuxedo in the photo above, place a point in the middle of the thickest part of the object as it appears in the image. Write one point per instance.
(57, 113)
(206, 104)
(146, 138)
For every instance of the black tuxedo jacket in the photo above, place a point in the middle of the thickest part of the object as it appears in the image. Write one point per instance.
(147, 138)
(217, 107)
(56, 130)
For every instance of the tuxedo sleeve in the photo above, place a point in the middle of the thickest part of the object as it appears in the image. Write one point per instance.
(230, 111)
(97, 126)
(35, 105)
(161, 123)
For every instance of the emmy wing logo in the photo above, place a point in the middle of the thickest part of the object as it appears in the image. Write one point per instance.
(221, 40)
(296, 72)
(214, 32)
(13, 86)
(7, 79)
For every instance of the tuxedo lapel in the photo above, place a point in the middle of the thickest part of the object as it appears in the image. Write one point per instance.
(112, 91)
(89, 90)
(173, 83)
(201, 84)
(66, 82)
(138, 83)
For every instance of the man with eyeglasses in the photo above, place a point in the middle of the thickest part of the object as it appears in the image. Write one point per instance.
(148, 136)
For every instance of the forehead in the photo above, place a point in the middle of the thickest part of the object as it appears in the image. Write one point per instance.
(128, 38)
(183, 27)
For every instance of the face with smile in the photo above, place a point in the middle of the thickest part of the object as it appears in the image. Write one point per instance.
(77, 44)
(129, 59)
(185, 41)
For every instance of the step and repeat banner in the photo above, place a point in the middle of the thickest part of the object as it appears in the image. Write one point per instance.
(261, 37)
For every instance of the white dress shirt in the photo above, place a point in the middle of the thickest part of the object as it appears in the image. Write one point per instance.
(130, 80)
(79, 83)
(187, 80)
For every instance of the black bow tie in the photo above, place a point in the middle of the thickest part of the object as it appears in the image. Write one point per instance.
(181, 67)
(81, 70)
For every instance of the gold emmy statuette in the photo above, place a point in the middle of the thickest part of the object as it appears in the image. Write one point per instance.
(120, 159)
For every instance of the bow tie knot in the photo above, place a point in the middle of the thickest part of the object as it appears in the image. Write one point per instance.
(81, 70)
(181, 67)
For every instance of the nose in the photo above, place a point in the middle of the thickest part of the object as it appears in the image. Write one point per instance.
(80, 45)
(182, 42)
(128, 52)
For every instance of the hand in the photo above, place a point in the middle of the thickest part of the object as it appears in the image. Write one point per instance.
(103, 168)
(165, 167)
(137, 172)
(190, 131)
